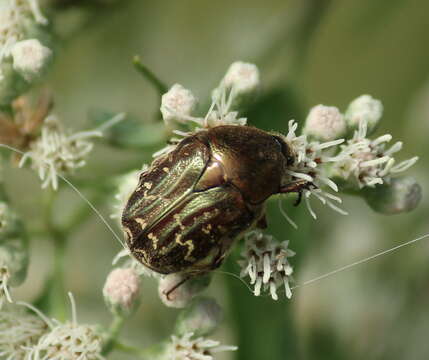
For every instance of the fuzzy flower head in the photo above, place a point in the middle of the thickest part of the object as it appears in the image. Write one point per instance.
(265, 262)
(177, 104)
(14, 17)
(242, 77)
(68, 341)
(325, 123)
(186, 347)
(364, 109)
(121, 289)
(19, 331)
(58, 152)
(30, 58)
(365, 163)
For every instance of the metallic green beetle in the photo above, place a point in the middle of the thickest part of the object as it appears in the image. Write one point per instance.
(193, 202)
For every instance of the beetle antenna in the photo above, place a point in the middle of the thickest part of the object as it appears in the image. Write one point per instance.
(359, 262)
(235, 276)
(82, 196)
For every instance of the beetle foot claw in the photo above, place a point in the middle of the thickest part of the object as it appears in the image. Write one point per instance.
(298, 187)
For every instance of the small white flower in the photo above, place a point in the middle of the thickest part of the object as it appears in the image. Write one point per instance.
(310, 159)
(18, 332)
(242, 77)
(14, 14)
(57, 152)
(266, 263)
(364, 162)
(325, 123)
(187, 348)
(177, 104)
(364, 109)
(122, 288)
(30, 58)
(68, 341)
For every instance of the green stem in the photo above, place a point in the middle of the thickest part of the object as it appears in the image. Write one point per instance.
(149, 75)
(130, 350)
(55, 292)
(112, 334)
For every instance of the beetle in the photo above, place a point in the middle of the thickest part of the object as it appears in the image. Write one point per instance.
(193, 202)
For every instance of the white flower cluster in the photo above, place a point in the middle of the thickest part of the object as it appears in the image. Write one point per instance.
(364, 162)
(179, 103)
(14, 15)
(25, 336)
(57, 152)
(325, 123)
(67, 341)
(19, 331)
(309, 160)
(266, 262)
(188, 348)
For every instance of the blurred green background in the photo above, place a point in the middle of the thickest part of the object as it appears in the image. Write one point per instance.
(308, 52)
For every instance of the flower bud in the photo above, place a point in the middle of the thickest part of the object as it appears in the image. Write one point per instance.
(325, 123)
(364, 108)
(401, 194)
(243, 77)
(121, 290)
(238, 87)
(177, 290)
(30, 58)
(177, 104)
(201, 317)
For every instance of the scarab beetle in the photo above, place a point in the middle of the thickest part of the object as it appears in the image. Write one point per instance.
(193, 202)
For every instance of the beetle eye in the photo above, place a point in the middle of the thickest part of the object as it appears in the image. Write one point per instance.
(285, 150)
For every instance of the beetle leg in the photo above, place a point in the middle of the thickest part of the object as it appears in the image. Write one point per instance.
(297, 186)
(180, 283)
(262, 222)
